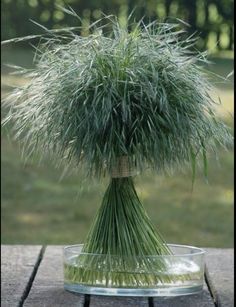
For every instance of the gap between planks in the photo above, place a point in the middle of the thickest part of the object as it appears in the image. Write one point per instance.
(211, 291)
(32, 277)
(87, 301)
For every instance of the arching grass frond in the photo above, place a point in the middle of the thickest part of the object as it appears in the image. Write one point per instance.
(140, 93)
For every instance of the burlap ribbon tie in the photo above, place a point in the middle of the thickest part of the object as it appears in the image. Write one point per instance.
(122, 168)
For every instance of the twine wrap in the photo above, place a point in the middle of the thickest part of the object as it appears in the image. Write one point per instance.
(122, 168)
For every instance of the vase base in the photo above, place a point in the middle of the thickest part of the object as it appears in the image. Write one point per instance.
(144, 292)
(181, 273)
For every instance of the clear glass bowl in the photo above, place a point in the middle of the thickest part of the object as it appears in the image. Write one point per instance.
(168, 275)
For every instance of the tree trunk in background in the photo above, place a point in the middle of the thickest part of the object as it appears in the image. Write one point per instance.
(191, 7)
(139, 7)
(51, 8)
(231, 38)
(206, 7)
(218, 39)
(168, 4)
(205, 31)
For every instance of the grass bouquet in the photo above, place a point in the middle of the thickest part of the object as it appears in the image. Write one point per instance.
(114, 103)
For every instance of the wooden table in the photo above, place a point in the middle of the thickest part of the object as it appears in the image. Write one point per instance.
(32, 276)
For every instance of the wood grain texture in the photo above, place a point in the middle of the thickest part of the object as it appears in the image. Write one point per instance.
(47, 289)
(220, 275)
(114, 301)
(203, 299)
(17, 266)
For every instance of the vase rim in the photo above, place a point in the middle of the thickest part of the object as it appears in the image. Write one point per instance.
(193, 251)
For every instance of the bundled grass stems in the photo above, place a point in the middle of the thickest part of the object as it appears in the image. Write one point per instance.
(138, 94)
(121, 244)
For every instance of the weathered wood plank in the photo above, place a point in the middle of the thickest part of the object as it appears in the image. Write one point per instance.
(17, 266)
(47, 289)
(202, 299)
(220, 275)
(114, 301)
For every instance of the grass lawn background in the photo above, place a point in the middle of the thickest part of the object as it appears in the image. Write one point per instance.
(38, 208)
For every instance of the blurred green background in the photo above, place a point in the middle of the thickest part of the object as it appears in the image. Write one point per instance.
(213, 19)
(38, 207)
